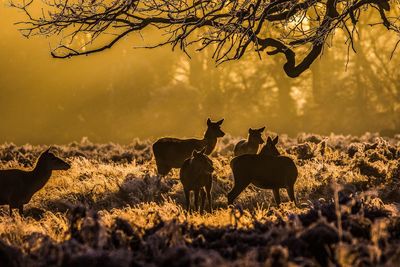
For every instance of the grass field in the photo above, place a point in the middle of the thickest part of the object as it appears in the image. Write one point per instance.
(111, 209)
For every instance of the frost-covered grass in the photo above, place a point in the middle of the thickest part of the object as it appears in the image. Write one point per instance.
(112, 209)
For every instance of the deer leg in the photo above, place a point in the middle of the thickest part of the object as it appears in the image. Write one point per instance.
(21, 210)
(276, 196)
(208, 191)
(203, 200)
(235, 192)
(292, 197)
(196, 199)
(187, 198)
(163, 169)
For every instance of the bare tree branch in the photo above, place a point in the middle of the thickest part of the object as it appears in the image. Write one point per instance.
(295, 28)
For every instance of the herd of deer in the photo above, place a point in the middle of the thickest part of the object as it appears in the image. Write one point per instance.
(265, 169)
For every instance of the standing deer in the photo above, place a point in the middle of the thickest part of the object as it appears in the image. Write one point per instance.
(251, 145)
(172, 152)
(267, 170)
(18, 186)
(196, 175)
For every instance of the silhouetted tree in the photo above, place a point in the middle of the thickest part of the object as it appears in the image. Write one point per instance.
(232, 27)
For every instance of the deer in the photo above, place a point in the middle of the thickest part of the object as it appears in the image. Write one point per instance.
(18, 186)
(172, 152)
(251, 145)
(267, 170)
(196, 176)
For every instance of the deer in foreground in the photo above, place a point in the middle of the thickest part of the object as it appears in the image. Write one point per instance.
(18, 186)
(196, 176)
(267, 170)
(172, 152)
(251, 145)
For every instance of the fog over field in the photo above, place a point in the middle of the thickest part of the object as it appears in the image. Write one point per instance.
(125, 92)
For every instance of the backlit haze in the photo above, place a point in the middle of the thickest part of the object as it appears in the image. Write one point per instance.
(125, 92)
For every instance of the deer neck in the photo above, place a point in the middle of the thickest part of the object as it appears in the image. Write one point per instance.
(209, 143)
(40, 175)
(252, 142)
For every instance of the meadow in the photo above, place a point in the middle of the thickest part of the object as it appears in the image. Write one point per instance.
(112, 209)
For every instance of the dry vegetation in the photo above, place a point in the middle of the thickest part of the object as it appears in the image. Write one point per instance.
(111, 209)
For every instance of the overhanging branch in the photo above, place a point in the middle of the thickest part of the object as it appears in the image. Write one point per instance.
(232, 27)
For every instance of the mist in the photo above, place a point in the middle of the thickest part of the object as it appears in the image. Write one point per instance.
(127, 92)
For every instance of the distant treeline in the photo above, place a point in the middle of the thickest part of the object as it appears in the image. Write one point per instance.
(140, 93)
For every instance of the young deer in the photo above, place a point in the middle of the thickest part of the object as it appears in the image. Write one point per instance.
(18, 186)
(172, 152)
(267, 170)
(196, 175)
(251, 145)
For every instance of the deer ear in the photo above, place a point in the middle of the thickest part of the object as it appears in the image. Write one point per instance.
(276, 139)
(269, 140)
(261, 129)
(220, 122)
(208, 122)
(250, 130)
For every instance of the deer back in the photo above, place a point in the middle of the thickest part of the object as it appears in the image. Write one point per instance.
(264, 171)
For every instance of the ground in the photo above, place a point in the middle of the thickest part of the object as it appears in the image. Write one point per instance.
(112, 209)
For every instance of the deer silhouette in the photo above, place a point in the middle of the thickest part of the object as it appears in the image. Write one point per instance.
(267, 170)
(251, 145)
(196, 175)
(171, 152)
(18, 186)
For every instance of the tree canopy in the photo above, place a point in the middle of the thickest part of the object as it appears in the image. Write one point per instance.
(297, 29)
